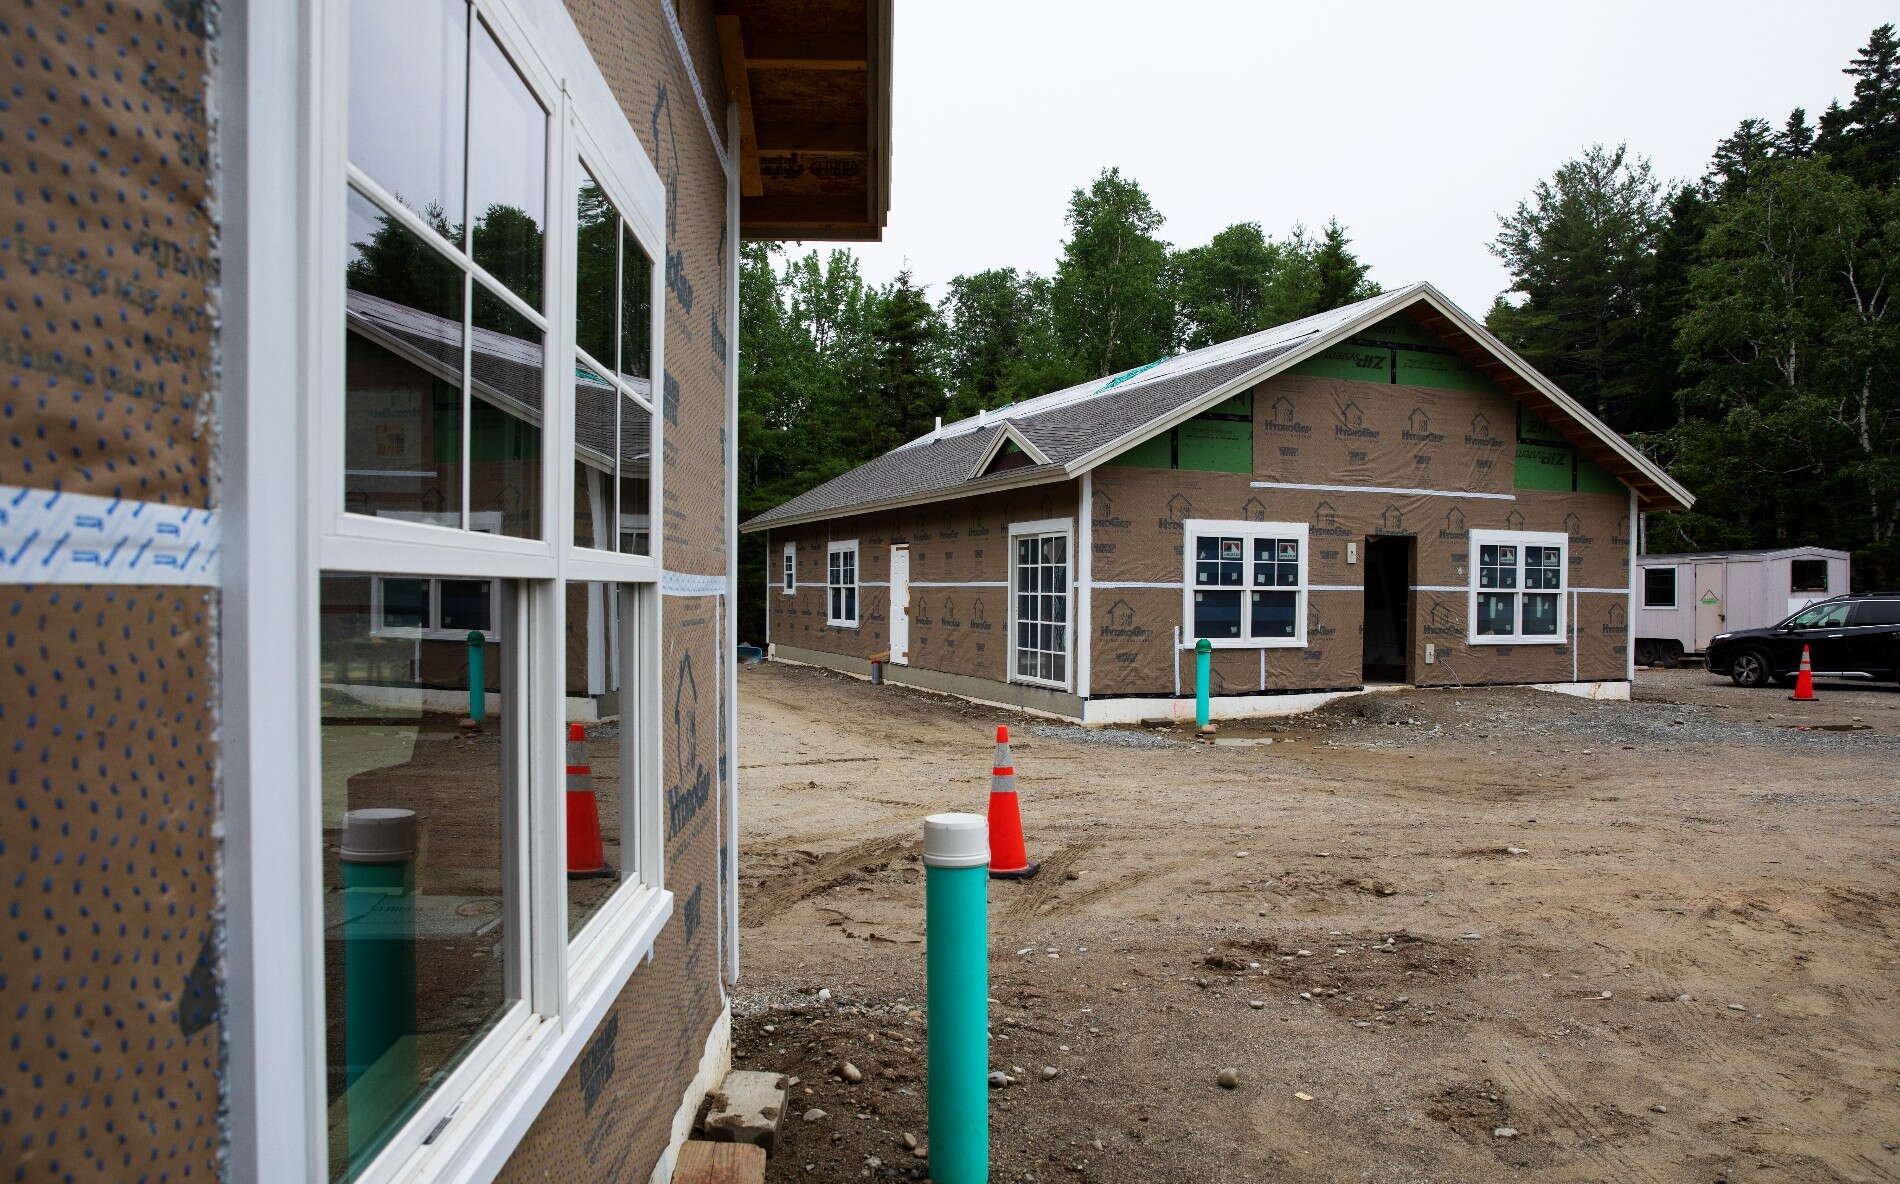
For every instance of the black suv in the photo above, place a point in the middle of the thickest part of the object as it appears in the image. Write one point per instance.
(1854, 636)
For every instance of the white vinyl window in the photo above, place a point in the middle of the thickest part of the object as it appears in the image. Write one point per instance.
(788, 579)
(841, 584)
(485, 435)
(1040, 601)
(1518, 579)
(435, 610)
(1246, 583)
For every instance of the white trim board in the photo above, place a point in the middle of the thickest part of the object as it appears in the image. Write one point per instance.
(1390, 489)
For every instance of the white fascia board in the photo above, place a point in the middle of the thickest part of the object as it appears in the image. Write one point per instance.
(1570, 406)
(1009, 432)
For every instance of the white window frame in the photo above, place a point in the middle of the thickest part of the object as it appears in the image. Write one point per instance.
(1063, 528)
(1519, 539)
(1675, 587)
(1193, 529)
(788, 576)
(432, 629)
(292, 78)
(833, 585)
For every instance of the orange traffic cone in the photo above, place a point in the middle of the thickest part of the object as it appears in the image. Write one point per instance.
(1009, 860)
(585, 858)
(1804, 681)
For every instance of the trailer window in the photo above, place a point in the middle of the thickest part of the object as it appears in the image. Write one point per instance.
(1659, 587)
(1807, 575)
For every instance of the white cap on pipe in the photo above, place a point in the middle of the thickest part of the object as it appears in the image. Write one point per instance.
(956, 840)
(378, 835)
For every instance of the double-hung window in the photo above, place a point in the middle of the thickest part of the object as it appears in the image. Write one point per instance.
(788, 577)
(1517, 587)
(487, 588)
(841, 584)
(1040, 592)
(1246, 583)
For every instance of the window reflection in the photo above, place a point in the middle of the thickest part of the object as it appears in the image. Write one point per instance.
(597, 267)
(600, 777)
(613, 428)
(408, 62)
(507, 197)
(636, 307)
(504, 447)
(415, 929)
(402, 373)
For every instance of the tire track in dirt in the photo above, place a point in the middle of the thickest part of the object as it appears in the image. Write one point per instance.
(1041, 896)
(779, 892)
(1559, 1109)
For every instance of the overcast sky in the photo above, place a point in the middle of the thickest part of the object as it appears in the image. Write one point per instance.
(1414, 124)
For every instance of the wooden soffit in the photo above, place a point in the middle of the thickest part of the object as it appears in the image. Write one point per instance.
(812, 83)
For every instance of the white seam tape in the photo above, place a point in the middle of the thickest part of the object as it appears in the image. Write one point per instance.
(48, 537)
(680, 583)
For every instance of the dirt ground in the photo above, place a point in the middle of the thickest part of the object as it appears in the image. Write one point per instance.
(1656, 940)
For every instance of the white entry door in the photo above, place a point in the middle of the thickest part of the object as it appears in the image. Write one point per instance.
(900, 605)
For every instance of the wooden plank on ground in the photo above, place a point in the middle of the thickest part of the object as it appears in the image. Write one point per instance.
(701, 1162)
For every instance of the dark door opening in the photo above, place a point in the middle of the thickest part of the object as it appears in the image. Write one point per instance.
(1388, 628)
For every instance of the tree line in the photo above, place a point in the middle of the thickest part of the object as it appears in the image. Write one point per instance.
(834, 371)
(1738, 328)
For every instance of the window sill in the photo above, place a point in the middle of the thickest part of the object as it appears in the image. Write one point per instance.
(1025, 680)
(1489, 639)
(497, 1111)
(461, 635)
(841, 624)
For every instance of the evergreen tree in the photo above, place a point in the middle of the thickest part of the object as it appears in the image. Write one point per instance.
(1111, 308)
(1339, 278)
(910, 392)
(1579, 253)
(1864, 137)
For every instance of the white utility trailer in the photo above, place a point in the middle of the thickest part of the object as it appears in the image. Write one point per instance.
(1684, 600)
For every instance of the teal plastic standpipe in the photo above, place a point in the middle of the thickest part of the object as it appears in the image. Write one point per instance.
(1203, 659)
(477, 677)
(957, 972)
(379, 971)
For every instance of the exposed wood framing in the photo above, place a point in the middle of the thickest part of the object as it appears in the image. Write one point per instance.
(732, 55)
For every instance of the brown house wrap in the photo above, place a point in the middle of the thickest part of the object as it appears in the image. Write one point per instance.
(609, 1118)
(109, 703)
(111, 265)
(1352, 459)
(958, 556)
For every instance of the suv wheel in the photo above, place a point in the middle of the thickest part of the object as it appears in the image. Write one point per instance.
(1749, 669)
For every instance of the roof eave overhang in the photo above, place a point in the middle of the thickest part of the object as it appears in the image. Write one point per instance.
(811, 97)
(1015, 479)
